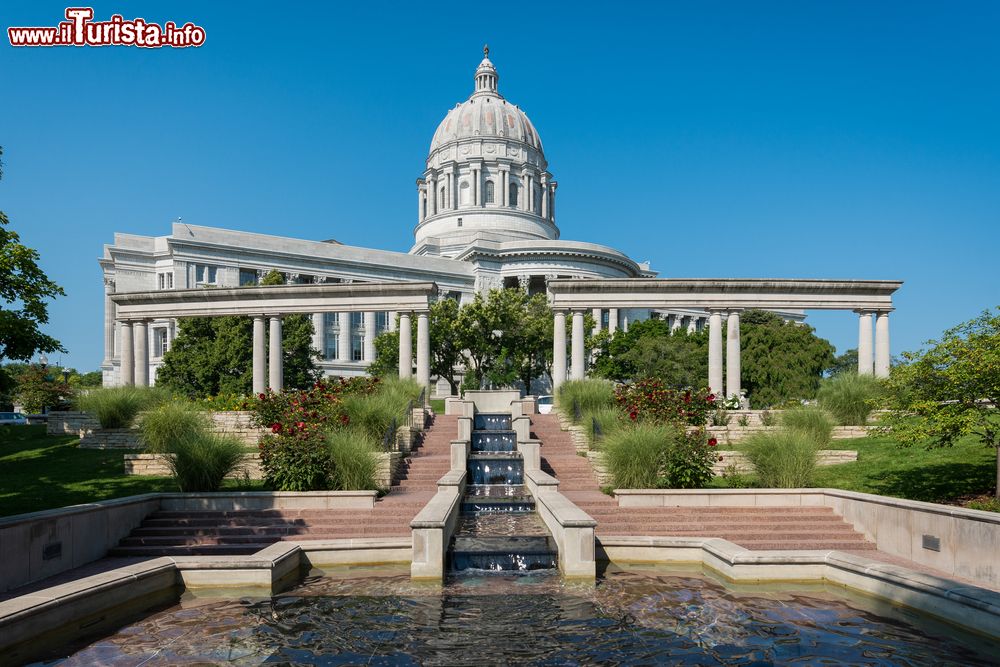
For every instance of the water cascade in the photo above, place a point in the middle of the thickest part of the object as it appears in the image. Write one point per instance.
(499, 530)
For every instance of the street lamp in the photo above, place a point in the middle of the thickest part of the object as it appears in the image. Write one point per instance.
(43, 360)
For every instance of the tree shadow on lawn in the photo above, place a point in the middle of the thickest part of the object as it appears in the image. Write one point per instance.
(935, 482)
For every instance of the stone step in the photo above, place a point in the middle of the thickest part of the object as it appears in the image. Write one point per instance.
(197, 550)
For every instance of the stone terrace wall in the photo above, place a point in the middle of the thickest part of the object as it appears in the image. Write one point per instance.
(70, 423)
(824, 457)
(109, 438)
(156, 465)
(237, 423)
(92, 436)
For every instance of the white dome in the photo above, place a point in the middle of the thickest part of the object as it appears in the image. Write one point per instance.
(486, 114)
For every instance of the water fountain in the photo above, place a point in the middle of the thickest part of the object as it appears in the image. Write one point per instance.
(499, 530)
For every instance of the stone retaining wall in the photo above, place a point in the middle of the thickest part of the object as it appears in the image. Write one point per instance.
(730, 435)
(110, 438)
(824, 457)
(70, 423)
(156, 465)
(237, 423)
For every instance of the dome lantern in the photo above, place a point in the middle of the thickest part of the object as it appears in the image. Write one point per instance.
(486, 75)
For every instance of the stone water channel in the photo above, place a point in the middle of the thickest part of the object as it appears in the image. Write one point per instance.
(498, 528)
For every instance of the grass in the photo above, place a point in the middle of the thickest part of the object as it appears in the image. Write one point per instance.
(813, 423)
(849, 397)
(42, 472)
(117, 407)
(783, 459)
(587, 395)
(354, 461)
(608, 420)
(635, 456)
(437, 405)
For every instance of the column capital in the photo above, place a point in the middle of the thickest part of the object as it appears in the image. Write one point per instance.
(717, 310)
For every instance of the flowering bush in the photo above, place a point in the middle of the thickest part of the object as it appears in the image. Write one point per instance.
(651, 401)
(688, 462)
(295, 455)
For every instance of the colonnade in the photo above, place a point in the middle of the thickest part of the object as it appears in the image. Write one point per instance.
(724, 360)
(268, 355)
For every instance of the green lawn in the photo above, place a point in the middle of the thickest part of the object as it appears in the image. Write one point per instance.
(40, 472)
(945, 474)
(437, 405)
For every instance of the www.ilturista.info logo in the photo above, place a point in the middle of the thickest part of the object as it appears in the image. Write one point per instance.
(81, 30)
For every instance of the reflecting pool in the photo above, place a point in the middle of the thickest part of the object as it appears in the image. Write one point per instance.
(638, 616)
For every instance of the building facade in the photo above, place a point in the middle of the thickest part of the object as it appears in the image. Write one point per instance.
(486, 219)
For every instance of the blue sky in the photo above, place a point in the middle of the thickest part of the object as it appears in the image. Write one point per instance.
(788, 139)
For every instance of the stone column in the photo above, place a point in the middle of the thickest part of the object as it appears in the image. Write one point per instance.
(545, 197)
(558, 349)
(431, 196)
(390, 320)
(733, 385)
(420, 203)
(276, 357)
(596, 312)
(450, 194)
(126, 371)
(140, 339)
(612, 320)
(475, 187)
(882, 344)
(423, 351)
(715, 352)
(405, 347)
(576, 347)
(344, 337)
(319, 334)
(259, 355)
(368, 352)
(675, 323)
(864, 342)
(109, 321)
(505, 185)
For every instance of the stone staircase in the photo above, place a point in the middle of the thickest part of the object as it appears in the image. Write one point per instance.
(761, 528)
(242, 532)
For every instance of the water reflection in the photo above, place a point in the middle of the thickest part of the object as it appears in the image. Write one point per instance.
(629, 618)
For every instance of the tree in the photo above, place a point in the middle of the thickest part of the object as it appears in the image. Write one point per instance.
(781, 360)
(649, 350)
(37, 390)
(844, 363)
(213, 356)
(24, 289)
(950, 390)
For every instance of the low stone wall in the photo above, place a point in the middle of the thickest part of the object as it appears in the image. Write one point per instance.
(156, 465)
(824, 457)
(237, 423)
(70, 423)
(730, 435)
(110, 438)
(86, 426)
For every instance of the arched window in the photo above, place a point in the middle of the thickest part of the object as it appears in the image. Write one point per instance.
(464, 194)
(513, 194)
(488, 192)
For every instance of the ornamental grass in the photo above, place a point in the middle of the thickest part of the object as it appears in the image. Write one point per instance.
(783, 459)
(354, 459)
(849, 397)
(813, 423)
(584, 396)
(117, 407)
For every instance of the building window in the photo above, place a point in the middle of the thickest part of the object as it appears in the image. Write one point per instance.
(331, 330)
(459, 222)
(248, 277)
(513, 194)
(488, 192)
(166, 280)
(160, 344)
(381, 322)
(205, 274)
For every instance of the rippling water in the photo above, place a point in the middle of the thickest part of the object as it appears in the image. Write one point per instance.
(629, 618)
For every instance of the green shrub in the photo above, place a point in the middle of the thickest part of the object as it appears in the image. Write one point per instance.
(117, 407)
(171, 422)
(784, 459)
(634, 456)
(743, 420)
(608, 420)
(719, 417)
(585, 395)
(814, 423)
(297, 463)
(768, 418)
(355, 463)
(201, 462)
(849, 397)
(688, 460)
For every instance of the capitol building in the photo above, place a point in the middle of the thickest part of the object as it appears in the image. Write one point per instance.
(486, 218)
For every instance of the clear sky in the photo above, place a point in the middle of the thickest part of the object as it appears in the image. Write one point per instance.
(789, 139)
